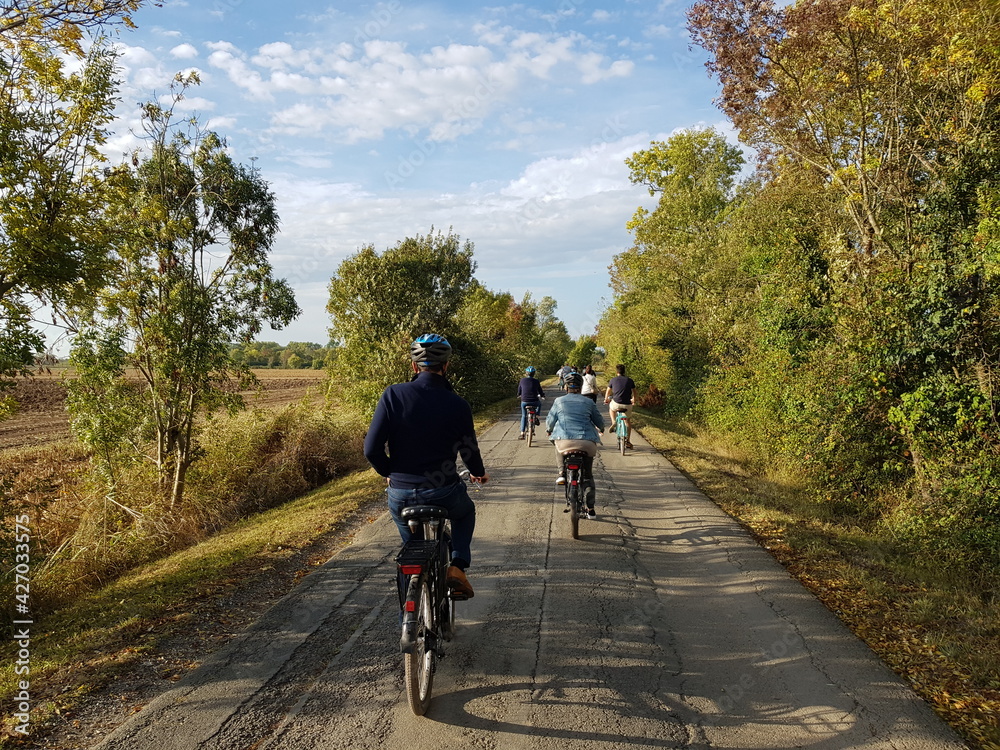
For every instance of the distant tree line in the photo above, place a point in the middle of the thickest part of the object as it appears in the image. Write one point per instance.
(837, 312)
(296, 355)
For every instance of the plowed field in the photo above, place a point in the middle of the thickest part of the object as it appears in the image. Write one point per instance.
(42, 416)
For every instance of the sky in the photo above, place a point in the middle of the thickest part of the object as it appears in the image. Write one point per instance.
(507, 124)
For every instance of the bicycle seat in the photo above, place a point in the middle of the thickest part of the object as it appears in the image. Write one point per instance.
(423, 512)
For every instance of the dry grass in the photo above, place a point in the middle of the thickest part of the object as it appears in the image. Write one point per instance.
(90, 641)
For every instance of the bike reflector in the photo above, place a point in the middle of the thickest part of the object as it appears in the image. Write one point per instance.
(411, 606)
(574, 467)
(411, 570)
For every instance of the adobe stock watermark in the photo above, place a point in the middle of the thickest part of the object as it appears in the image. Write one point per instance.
(22, 624)
(222, 7)
(737, 692)
(378, 21)
(565, 9)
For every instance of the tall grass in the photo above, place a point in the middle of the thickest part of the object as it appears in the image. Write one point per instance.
(84, 537)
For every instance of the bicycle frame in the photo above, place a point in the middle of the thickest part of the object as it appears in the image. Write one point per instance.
(621, 430)
(532, 412)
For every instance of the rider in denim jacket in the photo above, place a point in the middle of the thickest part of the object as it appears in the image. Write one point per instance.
(574, 423)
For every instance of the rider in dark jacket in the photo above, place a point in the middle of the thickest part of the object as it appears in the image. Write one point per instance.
(529, 390)
(419, 430)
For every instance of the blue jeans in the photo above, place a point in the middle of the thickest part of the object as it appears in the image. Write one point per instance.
(461, 511)
(524, 412)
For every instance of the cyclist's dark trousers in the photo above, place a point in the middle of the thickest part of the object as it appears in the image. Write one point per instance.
(524, 412)
(461, 511)
(590, 489)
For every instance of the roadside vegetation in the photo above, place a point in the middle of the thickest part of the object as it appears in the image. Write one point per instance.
(935, 626)
(833, 316)
(817, 335)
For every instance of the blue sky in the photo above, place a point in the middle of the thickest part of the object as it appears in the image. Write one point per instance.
(373, 122)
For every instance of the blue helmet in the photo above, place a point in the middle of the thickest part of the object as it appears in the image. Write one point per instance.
(430, 350)
(529, 370)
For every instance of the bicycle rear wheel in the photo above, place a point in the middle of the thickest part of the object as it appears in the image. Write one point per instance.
(418, 665)
(622, 432)
(531, 429)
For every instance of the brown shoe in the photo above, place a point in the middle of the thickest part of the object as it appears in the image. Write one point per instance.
(460, 587)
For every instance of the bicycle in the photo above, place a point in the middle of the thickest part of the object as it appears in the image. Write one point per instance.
(621, 430)
(573, 463)
(426, 604)
(532, 422)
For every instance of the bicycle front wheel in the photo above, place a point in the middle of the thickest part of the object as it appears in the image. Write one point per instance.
(418, 665)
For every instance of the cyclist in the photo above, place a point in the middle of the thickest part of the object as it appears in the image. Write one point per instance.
(563, 372)
(418, 429)
(574, 423)
(589, 384)
(620, 396)
(529, 390)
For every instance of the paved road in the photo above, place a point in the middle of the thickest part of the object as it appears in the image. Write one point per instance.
(663, 626)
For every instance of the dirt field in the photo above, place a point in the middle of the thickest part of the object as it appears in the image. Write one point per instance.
(42, 417)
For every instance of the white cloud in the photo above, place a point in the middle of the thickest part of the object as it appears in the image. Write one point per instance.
(227, 58)
(190, 103)
(658, 31)
(221, 124)
(446, 91)
(184, 51)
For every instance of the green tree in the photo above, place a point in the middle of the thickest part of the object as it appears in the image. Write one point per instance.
(380, 302)
(553, 342)
(669, 285)
(191, 274)
(888, 109)
(583, 352)
(53, 120)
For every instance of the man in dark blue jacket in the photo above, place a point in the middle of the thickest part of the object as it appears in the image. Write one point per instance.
(529, 390)
(418, 430)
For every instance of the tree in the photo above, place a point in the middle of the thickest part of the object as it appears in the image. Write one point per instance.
(553, 341)
(883, 97)
(380, 302)
(888, 110)
(190, 274)
(583, 352)
(670, 284)
(52, 122)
